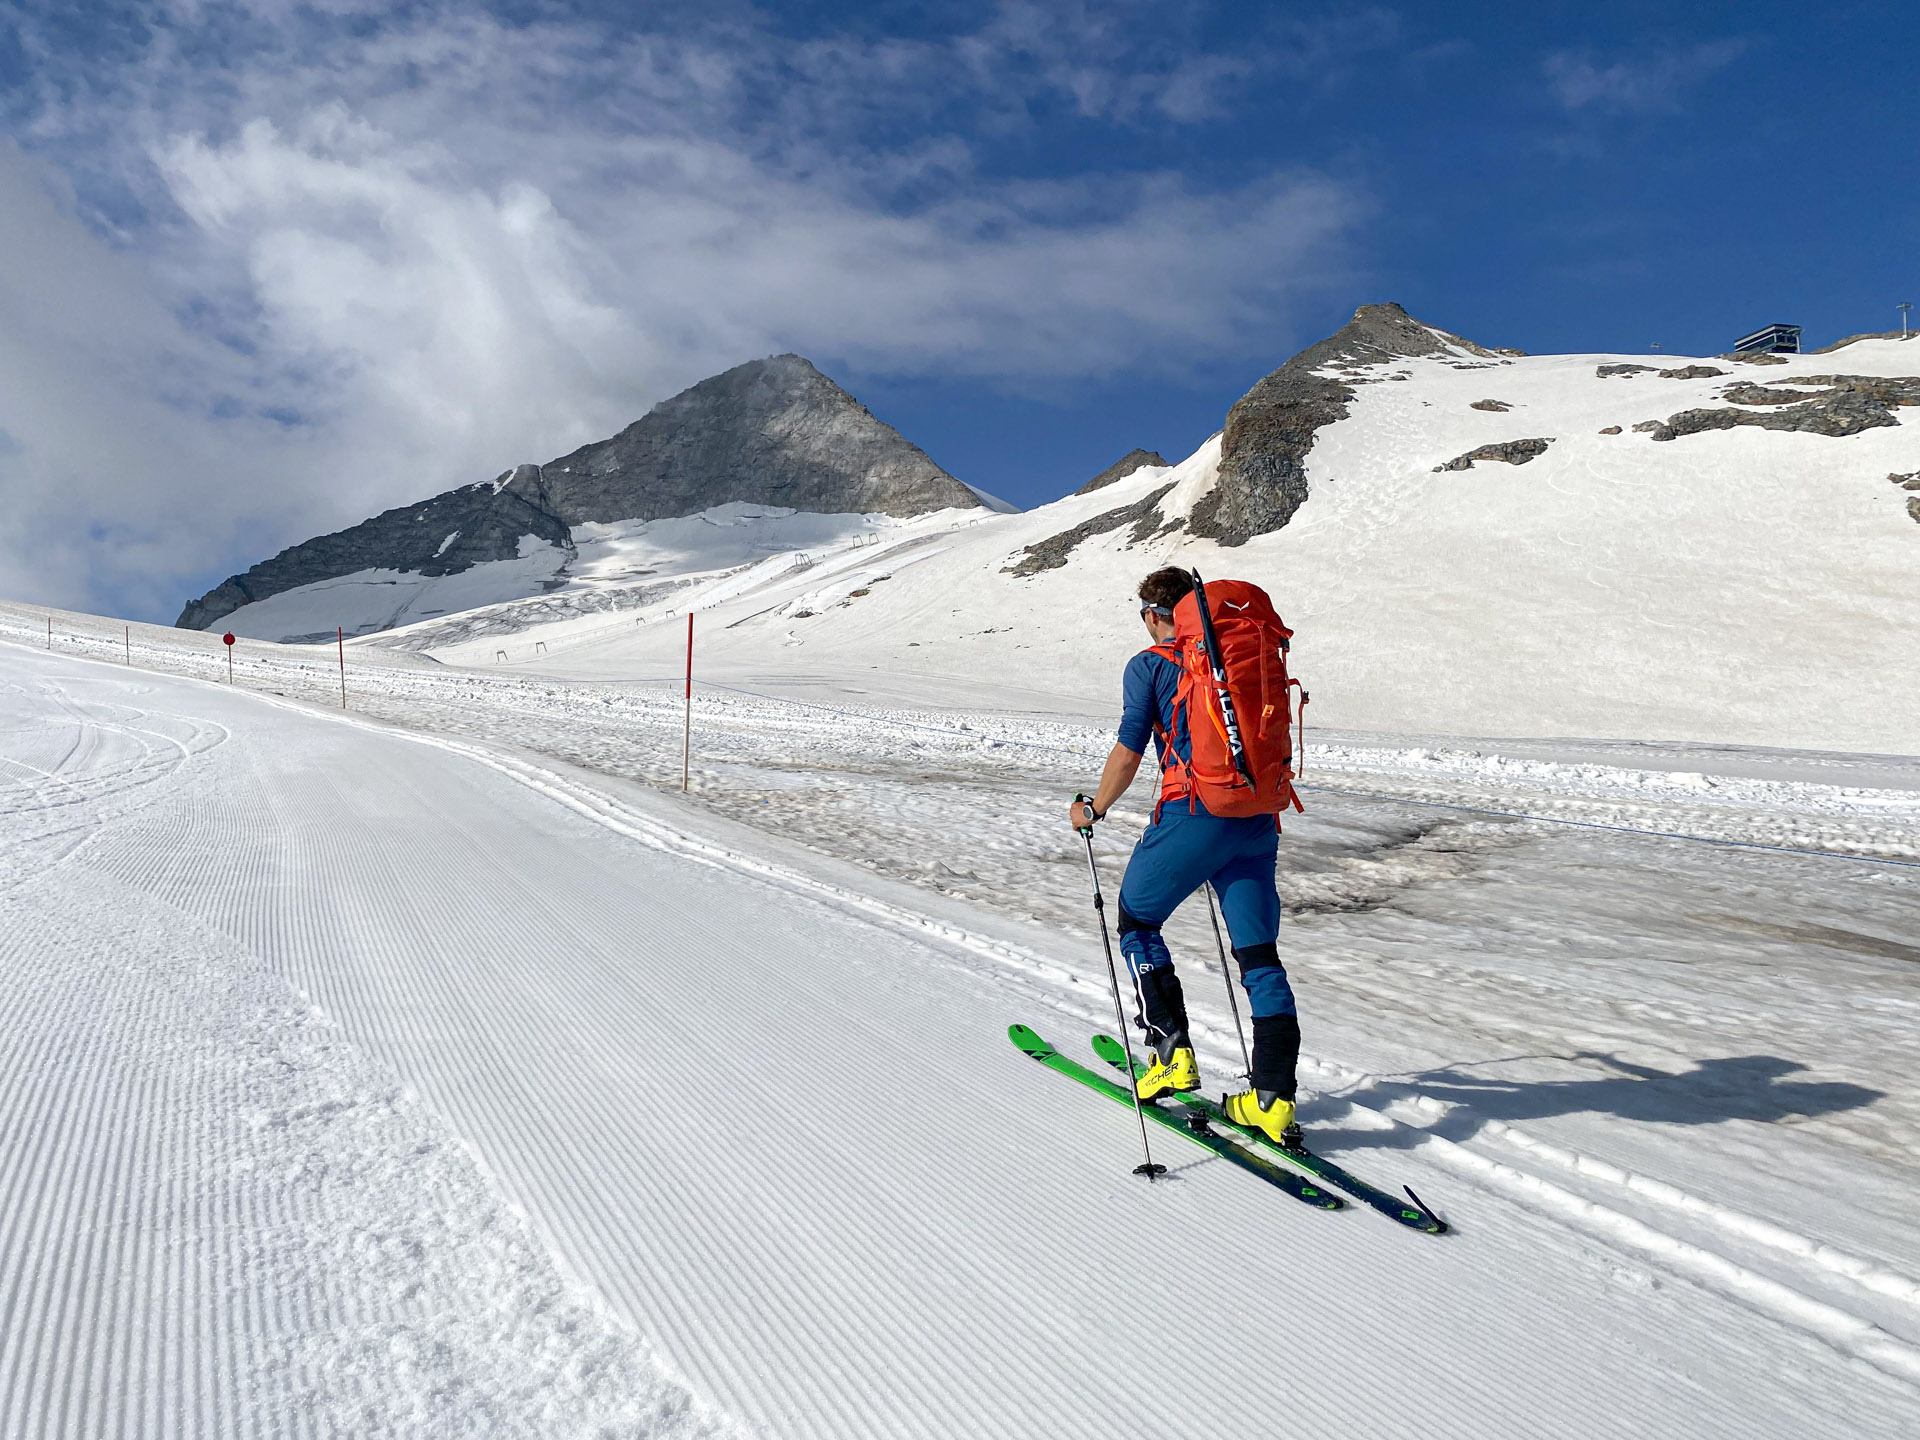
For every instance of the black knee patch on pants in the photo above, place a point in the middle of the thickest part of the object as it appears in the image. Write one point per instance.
(1132, 922)
(1165, 1005)
(1256, 957)
(1276, 1053)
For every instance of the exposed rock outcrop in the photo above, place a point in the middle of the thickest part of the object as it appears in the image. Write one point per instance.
(1844, 413)
(1745, 392)
(441, 536)
(1128, 463)
(1513, 452)
(770, 432)
(1611, 430)
(1843, 405)
(1909, 482)
(1755, 357)
(1692, 372)
(1498, 406)
(1053, 552)
(1887, 389)
(1608, 372)
(1269, 431)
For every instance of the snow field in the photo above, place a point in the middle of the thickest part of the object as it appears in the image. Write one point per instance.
(1746, 580)
(1489, 990)
(218, 1216)
(372, 600)
(609, 561)
(1744, 586)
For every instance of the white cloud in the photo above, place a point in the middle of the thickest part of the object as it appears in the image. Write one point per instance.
(1641, 84)
(119, 462)
(449, 245)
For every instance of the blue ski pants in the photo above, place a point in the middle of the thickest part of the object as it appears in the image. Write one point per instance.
(1181, 851)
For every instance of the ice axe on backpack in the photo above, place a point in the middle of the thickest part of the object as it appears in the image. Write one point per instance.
(1217, 667)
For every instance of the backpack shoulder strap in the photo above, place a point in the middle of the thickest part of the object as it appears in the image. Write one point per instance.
(1173, 768)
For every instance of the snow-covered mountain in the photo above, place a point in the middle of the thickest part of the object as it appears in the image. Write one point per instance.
(774, 434)
(1468, 540)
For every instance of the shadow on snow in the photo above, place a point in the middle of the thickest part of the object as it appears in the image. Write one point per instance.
(1755, 1088)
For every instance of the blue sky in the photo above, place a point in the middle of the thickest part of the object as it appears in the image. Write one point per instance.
(277, 266)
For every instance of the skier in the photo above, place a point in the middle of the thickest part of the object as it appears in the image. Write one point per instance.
(1184, 847)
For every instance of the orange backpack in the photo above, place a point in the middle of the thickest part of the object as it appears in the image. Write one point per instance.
(1234, 691)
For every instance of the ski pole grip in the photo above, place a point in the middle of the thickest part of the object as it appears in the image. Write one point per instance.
(1086, 800)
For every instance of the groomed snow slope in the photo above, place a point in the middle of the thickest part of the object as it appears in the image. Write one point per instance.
(620, 1000)
(1744, 586)
(219, 1215)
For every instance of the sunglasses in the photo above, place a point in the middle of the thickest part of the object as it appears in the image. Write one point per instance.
(1160, 610)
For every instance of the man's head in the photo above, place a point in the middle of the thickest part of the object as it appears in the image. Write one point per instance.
(1159, 593)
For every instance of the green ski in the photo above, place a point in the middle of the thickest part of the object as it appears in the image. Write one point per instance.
(1414, 1215)
(1193, 1126)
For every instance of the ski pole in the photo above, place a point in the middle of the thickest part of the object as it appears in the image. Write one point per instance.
(1233, 1001)
(1148, 1169)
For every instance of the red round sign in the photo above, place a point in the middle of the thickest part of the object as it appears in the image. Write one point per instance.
(228, 637)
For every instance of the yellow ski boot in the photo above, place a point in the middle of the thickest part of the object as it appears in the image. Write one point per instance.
(1274, 1119)
(1178, 1072)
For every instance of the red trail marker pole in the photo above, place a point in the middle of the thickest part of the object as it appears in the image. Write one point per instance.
(340, 634)
(228, 640)
(686, 741)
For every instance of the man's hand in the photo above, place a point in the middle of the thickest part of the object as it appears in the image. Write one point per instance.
(1122, 765)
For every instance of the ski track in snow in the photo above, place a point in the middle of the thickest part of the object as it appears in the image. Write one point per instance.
(1843, 1330)
(845, 1272)
(218, 1217)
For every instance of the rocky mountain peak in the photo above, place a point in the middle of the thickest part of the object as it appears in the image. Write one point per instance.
(1135, 459)
(1382, 332)
(1270, 429)
(771, 432)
